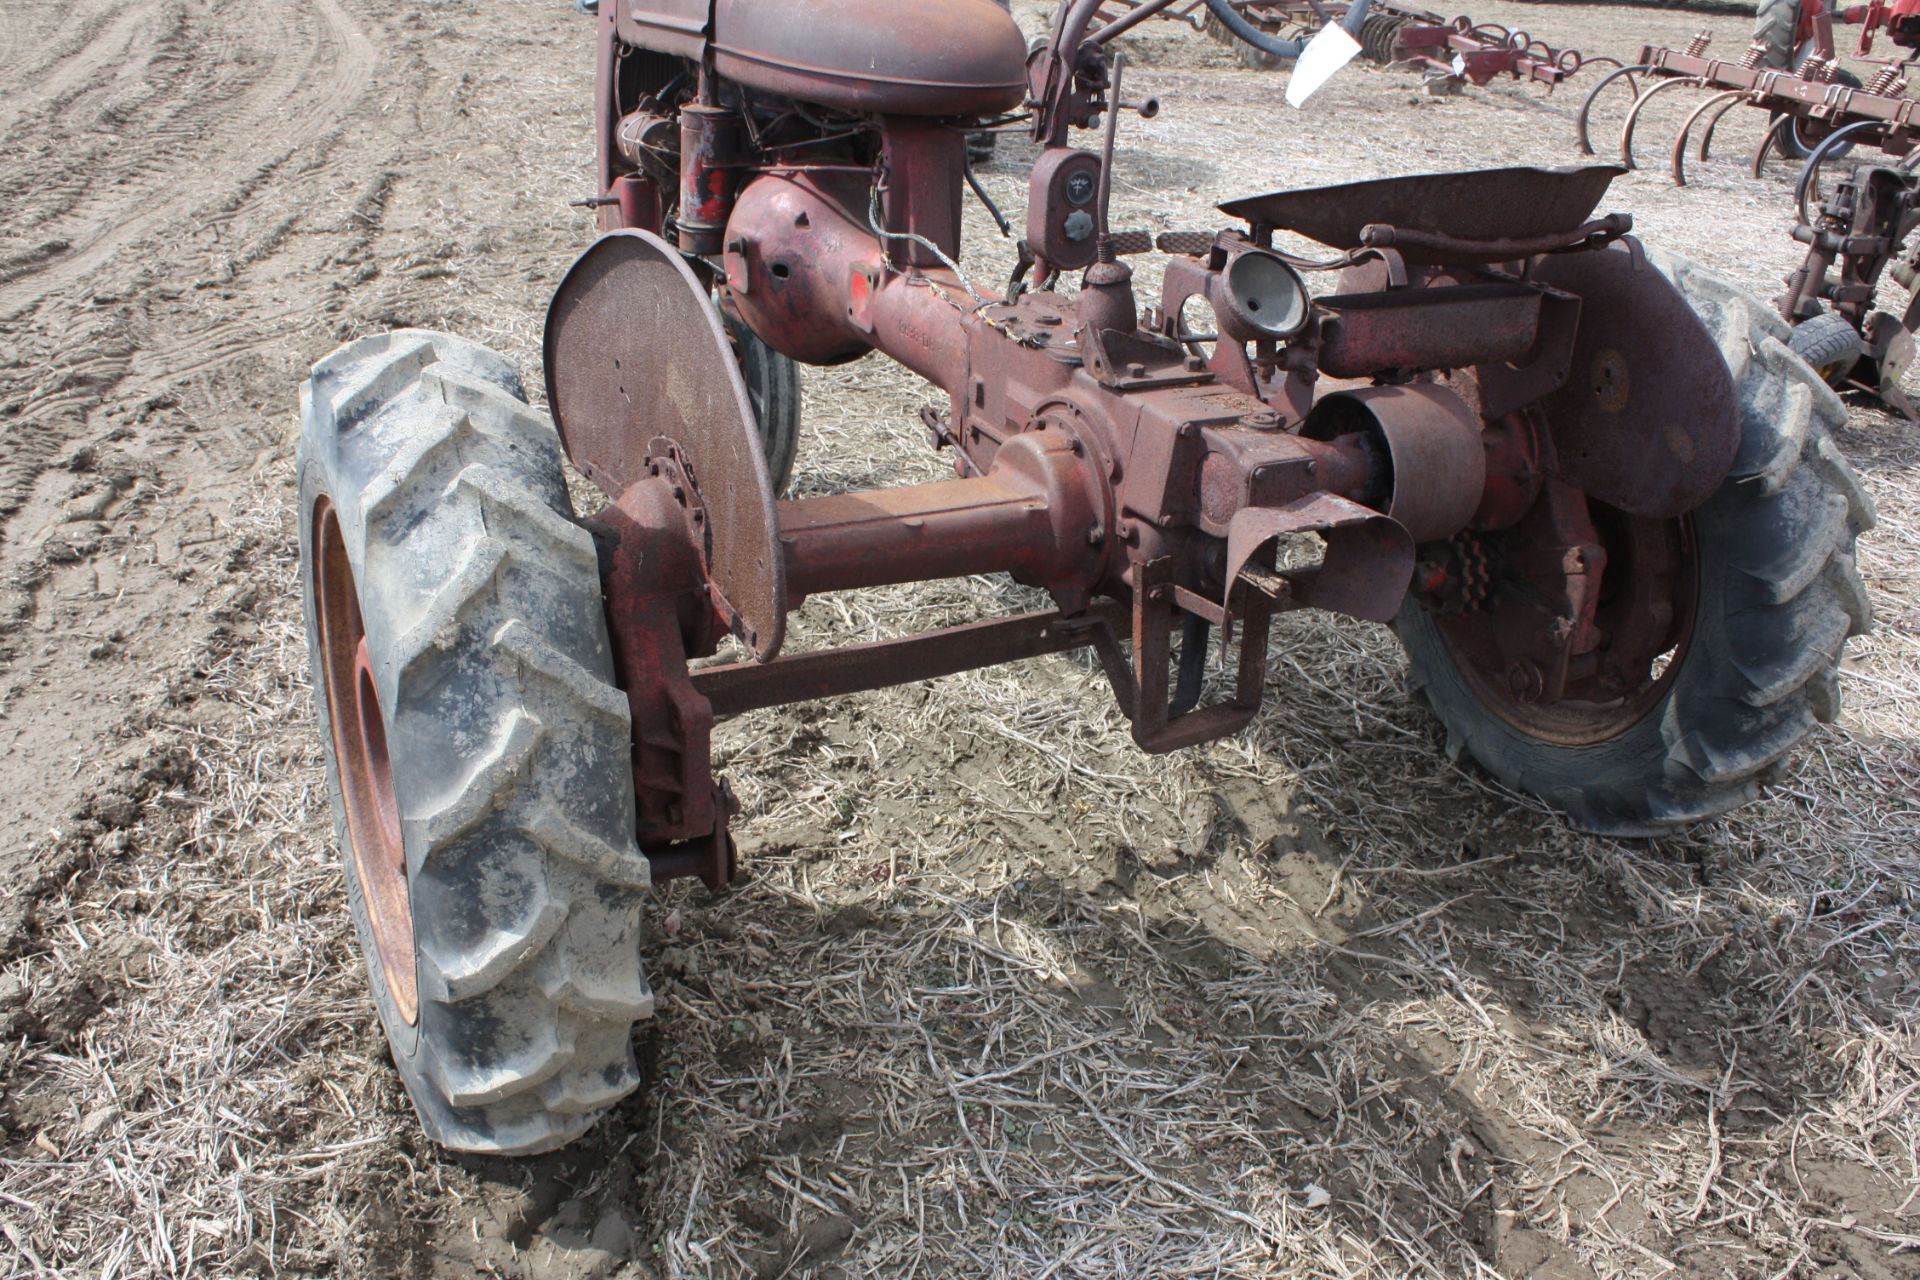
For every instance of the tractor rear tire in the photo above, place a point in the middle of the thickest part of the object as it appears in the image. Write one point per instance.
(477, 749)
(1830, 345)
(1776, 598)
(1773, 25)
(773, 389)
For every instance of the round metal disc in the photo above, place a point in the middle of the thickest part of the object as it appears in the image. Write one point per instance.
(636, 353)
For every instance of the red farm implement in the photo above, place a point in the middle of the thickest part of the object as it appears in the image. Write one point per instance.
(1480, 411)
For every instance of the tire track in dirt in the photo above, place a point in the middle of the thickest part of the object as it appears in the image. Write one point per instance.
(314, 72)
(111, 487)
(92, 44)
(179, 179)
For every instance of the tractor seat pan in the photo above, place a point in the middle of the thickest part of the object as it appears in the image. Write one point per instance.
(1479, 204)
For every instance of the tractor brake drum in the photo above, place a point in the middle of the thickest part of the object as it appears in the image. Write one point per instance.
(639, 370)
(1648, 420)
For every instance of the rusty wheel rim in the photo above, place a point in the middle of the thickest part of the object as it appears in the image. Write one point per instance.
(359, 730)
(1648, 606)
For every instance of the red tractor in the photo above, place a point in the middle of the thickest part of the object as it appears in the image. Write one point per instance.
(1794, 30)
(1586, 483)
(1797, 35)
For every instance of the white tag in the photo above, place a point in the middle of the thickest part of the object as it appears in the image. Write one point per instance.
(1325, 54)
(1460, 65)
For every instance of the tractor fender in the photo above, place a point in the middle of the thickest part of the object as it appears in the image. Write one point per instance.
(1648, 419)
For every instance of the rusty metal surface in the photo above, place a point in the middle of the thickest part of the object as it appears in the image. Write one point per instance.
(678, 27)
(361, 761)
(1156, 726)
(1648, 421)
(636, 353)
(1433, 445)
(1438, 328)
(657, 615)
(923, 165)
(709, 174)
(1368, 562)
(828, 673)
(796, 245)
(1811, 102)
(1436, 248)
(1582, 603)
(924, 58)
(1031, 516)
(1480, 204)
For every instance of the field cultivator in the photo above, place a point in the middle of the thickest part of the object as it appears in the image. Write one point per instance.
(1455, 49)
(1817, 108)
(1613, 539)
(1864, 226)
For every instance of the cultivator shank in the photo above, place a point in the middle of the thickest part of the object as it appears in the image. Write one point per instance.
(1862, 225)
(1457, 49)
(1813, 107)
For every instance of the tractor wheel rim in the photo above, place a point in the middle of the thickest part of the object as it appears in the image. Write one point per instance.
(359, 731)
(1649, 605)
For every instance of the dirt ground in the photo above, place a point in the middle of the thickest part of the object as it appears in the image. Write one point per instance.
(1000, 996)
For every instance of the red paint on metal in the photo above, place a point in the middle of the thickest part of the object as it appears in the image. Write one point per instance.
(1131, 465)
(803, 677)
(931, 58)
(1479, 205)
(1438, 328)
(640, 376)
(1030, 516)
(1648, 420)
(658, 616)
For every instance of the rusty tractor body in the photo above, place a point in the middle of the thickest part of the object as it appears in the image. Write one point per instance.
(1492, 357)
(1616, 544)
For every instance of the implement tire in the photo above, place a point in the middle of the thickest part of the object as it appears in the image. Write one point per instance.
(477, 750)
(1830, 345)
(1774, 599)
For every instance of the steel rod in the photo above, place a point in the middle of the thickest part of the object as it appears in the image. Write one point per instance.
(801, 677)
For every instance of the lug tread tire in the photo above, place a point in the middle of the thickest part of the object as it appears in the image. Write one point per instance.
(1780, 596)
(1775, 22)
(510, 741)
(1829, 344)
